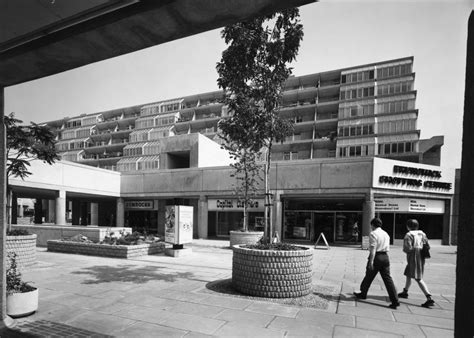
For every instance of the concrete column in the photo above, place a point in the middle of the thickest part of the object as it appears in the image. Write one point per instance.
(94, 213)
(120, 219)
(60, 212)
(202, 217)
(51, 211)
(20, 209)
(368, 213)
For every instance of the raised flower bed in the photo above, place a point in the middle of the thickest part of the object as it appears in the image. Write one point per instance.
(106, 250)
(272, 273)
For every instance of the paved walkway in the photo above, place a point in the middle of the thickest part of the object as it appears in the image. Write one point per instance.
(161, 296)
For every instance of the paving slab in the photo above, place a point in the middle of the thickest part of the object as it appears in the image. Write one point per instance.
(233, 329)
(165, 296)
(251, 319)
(388, 326)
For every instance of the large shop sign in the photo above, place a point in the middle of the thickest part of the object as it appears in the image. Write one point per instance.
(407, 176)
(409, 205)
(139, 205)
(229, 204)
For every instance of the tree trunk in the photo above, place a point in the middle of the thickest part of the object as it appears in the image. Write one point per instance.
(464, 304)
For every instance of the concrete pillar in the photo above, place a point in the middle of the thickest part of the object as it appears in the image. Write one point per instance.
(120, 220)
(51, 211)
(94, 214)
(60, 212)
(202, 217)
(20, 208)
(368, 213)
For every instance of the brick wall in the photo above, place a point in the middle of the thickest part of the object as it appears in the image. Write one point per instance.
(25, 249)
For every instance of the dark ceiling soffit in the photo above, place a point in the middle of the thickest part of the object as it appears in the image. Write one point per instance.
(137, 26)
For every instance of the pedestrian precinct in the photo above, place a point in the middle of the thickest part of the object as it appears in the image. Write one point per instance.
(378, 261)
(412, 245)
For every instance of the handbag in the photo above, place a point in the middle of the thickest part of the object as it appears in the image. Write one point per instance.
(425, 251)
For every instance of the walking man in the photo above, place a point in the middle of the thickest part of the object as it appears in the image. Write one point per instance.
(378, 261)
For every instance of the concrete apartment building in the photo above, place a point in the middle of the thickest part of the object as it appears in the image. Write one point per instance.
(355, 153)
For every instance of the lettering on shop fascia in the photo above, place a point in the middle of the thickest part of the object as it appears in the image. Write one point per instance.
(139, 204)
(229, 204)
(415, 182)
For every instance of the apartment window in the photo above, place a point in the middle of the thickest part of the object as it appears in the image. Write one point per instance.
(396, 148)
(299, 119)
(367, 129)
(291, 155)
(391, 71)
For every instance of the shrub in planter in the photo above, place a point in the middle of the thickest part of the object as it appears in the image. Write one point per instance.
(22, 298)
(18, 232)
(272, 270)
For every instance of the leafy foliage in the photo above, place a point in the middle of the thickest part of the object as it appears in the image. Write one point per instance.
(134, 238)
(14, 282)
(18, 232)
(26, 143)
(252, 73)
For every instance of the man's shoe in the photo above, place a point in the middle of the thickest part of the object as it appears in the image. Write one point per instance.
(360, 295)
(428, 303)
(403, 294)
(394, 305)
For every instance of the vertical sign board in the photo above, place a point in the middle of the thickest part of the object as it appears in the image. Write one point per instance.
(178, 224)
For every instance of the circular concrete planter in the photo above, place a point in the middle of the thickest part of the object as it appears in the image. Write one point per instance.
(25, 249)
(245, 237)
(22, 304)
(272, 273)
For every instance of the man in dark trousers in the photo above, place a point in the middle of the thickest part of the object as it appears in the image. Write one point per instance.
(378, 261)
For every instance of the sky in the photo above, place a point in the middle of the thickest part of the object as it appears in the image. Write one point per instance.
(337, 34)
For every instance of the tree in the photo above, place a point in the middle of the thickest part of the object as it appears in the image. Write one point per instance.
(247, 169)
(252, 73)
(26, 143)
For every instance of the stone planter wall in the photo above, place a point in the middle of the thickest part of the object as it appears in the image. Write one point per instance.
(245, 237)
(117, 251)
(274, 274)
(25, 249)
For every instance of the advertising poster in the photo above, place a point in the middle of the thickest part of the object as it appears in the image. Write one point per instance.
(185, 220)
(178, 224)
(170, 224)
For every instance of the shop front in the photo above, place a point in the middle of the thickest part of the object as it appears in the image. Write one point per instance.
(142, 215)
(339, 220)
(395, 212)
(227, 214)
(411, 190)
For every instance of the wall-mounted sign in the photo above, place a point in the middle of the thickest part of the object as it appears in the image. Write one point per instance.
(397, 175)
(139, 205)
(229, 204)
(409, 205)
(178, 224)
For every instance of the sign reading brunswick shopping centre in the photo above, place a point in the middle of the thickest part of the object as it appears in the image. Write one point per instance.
(397, 175)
